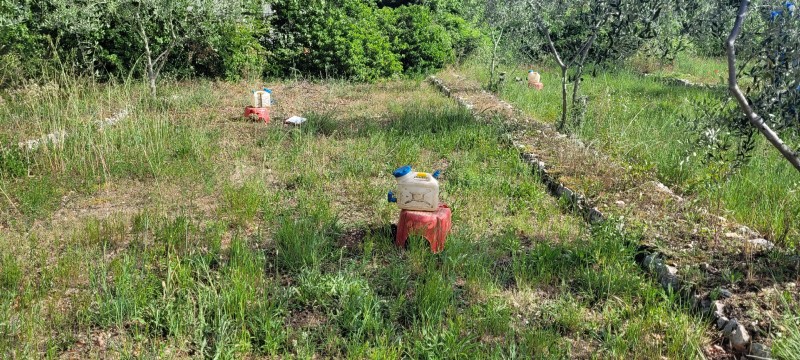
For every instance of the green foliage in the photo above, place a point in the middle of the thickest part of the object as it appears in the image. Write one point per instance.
(238, 54)
(773, 62)
(422, 44)
(787, 345)
(464, 37)
(356, 39)
(183, 287)
(20, 46)
(342, 38)
(13, 163)
(334, 38)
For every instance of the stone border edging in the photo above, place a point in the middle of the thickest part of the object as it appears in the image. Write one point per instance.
(648, 258)
(682, 82)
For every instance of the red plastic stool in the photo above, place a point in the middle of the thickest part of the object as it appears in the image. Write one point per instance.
(433, 226)
(261, 113)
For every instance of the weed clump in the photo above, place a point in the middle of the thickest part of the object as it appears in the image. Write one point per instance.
(302, 244)
(13, 162)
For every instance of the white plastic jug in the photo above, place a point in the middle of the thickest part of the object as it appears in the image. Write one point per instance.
(533, 78)
(416, 190)
(261, 99)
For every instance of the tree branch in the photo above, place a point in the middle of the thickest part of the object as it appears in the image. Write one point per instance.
(552, 46)
(756, 120)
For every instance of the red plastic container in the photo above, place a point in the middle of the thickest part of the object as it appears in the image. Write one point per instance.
(433, 226)
(260, 114)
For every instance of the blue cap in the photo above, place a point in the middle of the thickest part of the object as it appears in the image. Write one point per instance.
(403, 171)
(268, 90)
(530, 71)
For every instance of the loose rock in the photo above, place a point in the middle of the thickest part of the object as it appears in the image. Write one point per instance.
(760, 350)
(669, 277)
(762, 244)
(722, 322)
(737, 334)
(725, 293)
(740, 339)
(719, 309)
(734, 236)
(748, 232)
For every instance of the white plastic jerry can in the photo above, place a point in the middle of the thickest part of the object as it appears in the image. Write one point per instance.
(533, 78)
(416, 190)
(262, 98)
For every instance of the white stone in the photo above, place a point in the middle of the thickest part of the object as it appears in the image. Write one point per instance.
(733, 235)
(762, 244)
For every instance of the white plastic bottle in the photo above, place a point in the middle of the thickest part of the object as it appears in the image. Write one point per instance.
(416, 190)
(533, 78)
(261, 99)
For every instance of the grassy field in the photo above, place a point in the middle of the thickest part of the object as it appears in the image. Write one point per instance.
(698, 70)
(647, 123)
(186, 232)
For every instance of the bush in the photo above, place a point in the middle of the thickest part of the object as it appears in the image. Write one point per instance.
(352, 39)
(337, 38)
(13, 162)
(422, 44)
(465, 38)
(238, 51)
(20, 50)
(357, 40)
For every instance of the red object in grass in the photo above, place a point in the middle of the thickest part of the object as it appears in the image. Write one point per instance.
(261, 114)
(538, 86)
(433, 226)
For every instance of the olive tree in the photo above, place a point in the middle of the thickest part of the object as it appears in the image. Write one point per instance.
(581, 32)
(773, 64)
(503, 23)
(127, 33)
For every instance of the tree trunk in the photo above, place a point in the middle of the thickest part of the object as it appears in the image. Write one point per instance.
(756, 120)
(563, 123)
(564, 69)
(579, 71)
(494, 57)
(149, 66)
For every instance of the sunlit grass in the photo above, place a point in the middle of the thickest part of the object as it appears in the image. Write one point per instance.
(252, 240)
(641, 121)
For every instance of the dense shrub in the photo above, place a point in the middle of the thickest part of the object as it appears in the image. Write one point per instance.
(233, 52)
(353, 39)
(359, 40)
(422, 44)
(330, 38)
(20, 48)
(464, 37)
